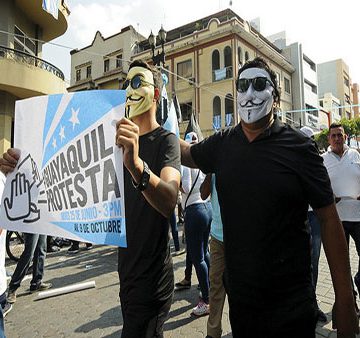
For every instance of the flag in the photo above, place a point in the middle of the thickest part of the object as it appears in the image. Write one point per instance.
(217, 122)
(171, 123)
(52, 7)
(163, 109)
(177, 108)
(193, 126)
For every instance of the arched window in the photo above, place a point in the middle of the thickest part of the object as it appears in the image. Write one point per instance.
(228, 61)
(215, 60)
(229, 110)
(247, 56)
(216, 113)
(240, 57)
(227, 57)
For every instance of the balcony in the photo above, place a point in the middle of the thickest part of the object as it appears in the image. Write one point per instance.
(51, 27)
(25, 75)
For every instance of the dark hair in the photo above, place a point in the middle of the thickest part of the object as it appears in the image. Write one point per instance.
(259, 62)
(335, 125)
(158, 82)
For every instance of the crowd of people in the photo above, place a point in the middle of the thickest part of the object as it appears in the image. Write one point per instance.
(249, 187)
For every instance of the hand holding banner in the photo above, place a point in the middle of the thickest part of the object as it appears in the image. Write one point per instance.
(68, 181)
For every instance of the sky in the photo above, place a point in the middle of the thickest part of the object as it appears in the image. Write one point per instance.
(327, 29)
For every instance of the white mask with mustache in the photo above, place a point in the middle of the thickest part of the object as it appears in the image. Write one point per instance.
(251, 104)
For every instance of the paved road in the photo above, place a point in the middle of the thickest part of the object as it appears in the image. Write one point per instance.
(96, 312)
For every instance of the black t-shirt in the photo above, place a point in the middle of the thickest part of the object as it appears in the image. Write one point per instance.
(264, 188)
(145, 266)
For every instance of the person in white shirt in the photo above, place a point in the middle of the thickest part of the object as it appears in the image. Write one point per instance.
(343, 166)
(197, 228)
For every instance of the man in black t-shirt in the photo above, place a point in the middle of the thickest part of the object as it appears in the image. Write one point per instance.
(151, 184)
(266, 175)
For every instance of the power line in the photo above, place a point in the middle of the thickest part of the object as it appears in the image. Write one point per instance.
(190, 81)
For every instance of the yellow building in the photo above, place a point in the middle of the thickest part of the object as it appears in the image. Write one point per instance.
(23, 72)
(334, 77)
(102, 65)
(203, 58)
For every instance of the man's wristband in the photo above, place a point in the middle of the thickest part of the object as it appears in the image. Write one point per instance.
(144, 180)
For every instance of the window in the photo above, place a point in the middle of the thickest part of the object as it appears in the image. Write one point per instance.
(78, 74)
(240, 57)
(227, 57)
(321, 102)
(184, 69)
(229, 110)
(346, 82)
(216, 113)
(215, 60)
(23, 43)
(247, 56)
(88, 72)
(287, 85)
(106, 65)
(228, 61)
(119, 61)
(186, 109)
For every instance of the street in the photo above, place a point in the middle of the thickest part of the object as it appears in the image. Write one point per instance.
(96, 312)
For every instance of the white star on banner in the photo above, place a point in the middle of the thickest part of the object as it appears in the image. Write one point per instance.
(74, 117)
(62, 133)
(54, 143)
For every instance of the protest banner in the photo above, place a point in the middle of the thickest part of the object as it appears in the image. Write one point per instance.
(69, 179)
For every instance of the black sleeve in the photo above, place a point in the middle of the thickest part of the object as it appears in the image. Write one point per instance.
(315, 178)
(206, 153)
(170, 152)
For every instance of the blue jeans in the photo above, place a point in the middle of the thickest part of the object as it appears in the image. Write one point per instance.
(197, 223)
(2, 304)
(35, 247)
(174, 231)
(315, 245)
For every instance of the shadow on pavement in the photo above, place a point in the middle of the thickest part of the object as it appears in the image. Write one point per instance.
(109, 318)
(87, 264)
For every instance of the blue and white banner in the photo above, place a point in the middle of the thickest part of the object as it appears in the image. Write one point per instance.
(69, 179)
(51, 6)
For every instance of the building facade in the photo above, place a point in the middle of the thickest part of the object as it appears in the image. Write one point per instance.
(329, 103)
(103, 64)
(355, 92)
(333, 77)
(303, 84)
(202, 62)
(23, 72)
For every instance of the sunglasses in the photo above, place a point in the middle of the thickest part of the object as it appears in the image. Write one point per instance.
(136, 82)
(258, 83)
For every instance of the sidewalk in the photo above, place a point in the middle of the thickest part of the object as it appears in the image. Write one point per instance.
(96, 312)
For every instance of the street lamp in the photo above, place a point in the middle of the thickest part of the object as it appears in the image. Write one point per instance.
(159, 57)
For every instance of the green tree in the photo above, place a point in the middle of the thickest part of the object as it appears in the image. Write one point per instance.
(322, 139)
(349, 128)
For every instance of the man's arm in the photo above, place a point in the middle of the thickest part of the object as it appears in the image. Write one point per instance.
(205, 188)
(337, 255)
(161, 192)
(186, 158)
